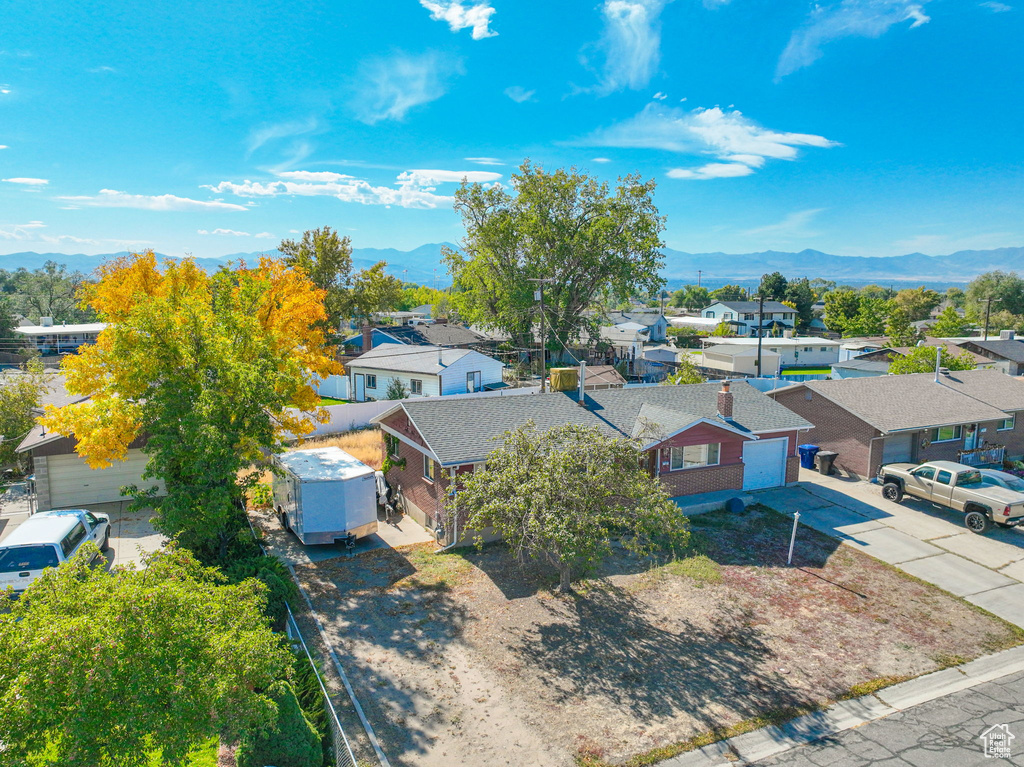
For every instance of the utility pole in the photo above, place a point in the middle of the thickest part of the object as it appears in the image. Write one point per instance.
(698, 277)
(538, 295)
(760, 328)
(988, 310)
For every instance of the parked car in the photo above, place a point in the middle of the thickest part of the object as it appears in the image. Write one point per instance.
(1002, 479)
(48, 539)
(954, 486)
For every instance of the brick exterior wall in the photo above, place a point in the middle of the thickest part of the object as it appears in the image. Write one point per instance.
(792, 469)
(836, 429)
(423, 499)
(705, 480)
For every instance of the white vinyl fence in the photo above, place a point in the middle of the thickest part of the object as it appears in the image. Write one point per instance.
(357, 415)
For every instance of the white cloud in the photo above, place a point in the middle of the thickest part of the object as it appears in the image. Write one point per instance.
(104, 69)
(848, 18)
(110, 198)
(712, 170)
(739, 143)
(387, 88)
(235, 233)
(630, 43)
(519, 94)
(659, 96)
(4, 89)
(413, 188)
(264, 236)
(27, 181)
(600, 159)
(274, 131)
(311, 175)
(31, 232)
(997, 7)
(484, 160)
(475, 17)
(792, 226)
(4, 146)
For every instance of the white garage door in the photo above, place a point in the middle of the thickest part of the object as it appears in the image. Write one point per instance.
(764, 463)
(898, 448)
(73, 483)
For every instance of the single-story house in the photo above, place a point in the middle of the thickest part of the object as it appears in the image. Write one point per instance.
(625, 343)
(424, 371)
(794, 351)
(48, 338)
(655, 323)
(661, 353)
(1007, 353)
(602, 377)
(731, 359)
(859, 368)
(743, 315)
(62, 479)
(855, 347)
(698, 438)
(434, 334)
(965, 415)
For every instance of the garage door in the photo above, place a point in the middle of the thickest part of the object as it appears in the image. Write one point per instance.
(764, 463)
(73, 483)
(898, 448)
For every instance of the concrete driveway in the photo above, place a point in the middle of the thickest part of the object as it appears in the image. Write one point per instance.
(922, 540)
(131, 534)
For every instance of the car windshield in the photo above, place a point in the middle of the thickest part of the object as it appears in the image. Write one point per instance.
(27, 558)
(969, 478)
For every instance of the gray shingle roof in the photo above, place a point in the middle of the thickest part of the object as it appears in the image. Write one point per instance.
(751, 307)
(435, 335)
(904, 402)
(641, 318)
(464, 430)
(409, 359)
(877, 366)
(1007, 349)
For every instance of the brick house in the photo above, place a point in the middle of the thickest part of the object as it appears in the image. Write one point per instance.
(912, 418)
(698, 438)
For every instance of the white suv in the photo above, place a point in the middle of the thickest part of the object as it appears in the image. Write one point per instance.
(48, 539)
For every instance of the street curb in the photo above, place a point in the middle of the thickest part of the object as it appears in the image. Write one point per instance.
(850, 714)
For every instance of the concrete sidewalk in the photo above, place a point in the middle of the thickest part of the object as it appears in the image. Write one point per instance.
(922, 540)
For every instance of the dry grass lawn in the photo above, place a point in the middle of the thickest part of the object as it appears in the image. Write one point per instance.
(468, 658)
(366, 445)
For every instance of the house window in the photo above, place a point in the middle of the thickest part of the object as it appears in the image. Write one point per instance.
(371, 381)
(429, 469)
(1007, 424)
(727, 316)
(415, 386)
(808, 349)
(693, 456)
(947, 433)
(748, 316)
(824, 348)
(391, 443)
(709, 314)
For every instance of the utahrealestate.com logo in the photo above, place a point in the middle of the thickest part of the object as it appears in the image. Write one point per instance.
(996, 741)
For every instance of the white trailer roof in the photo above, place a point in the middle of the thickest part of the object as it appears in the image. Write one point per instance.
(323, 464)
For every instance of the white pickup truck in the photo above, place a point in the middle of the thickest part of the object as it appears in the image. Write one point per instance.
(957, 487)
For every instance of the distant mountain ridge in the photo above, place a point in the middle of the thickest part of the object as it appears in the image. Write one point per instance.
(423, 264)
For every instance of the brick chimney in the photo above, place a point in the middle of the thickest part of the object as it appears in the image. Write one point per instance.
(367, 337)
(725, 401)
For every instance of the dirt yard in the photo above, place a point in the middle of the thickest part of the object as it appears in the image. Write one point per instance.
(468, 659)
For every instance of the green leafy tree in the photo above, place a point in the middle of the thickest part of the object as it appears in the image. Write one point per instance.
(691, 297)
(821, 286)
(326, 259)
(918, 303)
(801, 296)
(214, 370)
(419, 295)
(723, 330)
(950, 324)
(596, 245)
(869, 320)
(20, 394)
(103, 668)
(773, 286)
(899, 330)
(291, 742)
(921, 359)
(686, 338)
(563, 494)
(841, 306)
(876, 292)
(685, 373)
(374, 291)
(1005, 289)
(51, 291)
(396, 390)
(729, 293)
(956, 297)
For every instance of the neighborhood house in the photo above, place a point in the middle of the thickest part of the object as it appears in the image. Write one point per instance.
(698, 438)
(424, 371)
(743, 316)
(968, 416)
(48, 338)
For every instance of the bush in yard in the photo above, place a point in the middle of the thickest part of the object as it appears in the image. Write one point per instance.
(311, 697)
(565, 493)
(272, 572)
(396, 390)
(290, 742)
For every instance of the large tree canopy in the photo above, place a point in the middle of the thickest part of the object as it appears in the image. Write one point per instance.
(103, 669)
(921, 359)
(562, 495)
(20, 394)
(1005, 289)
(327, 259)
(594, 245)
(207, 369)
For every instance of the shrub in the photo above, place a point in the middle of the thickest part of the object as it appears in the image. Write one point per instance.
(291, 742)
(261, 496)
(311, 697)
(281, 589)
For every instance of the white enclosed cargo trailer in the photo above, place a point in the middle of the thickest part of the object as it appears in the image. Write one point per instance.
(324, 495)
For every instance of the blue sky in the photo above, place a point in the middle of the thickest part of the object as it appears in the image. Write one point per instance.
(859, 127)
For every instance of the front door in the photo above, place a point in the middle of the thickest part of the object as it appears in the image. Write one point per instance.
(971, 437)
(360, 387)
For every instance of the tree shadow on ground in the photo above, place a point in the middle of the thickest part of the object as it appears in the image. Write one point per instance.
(611, 644)
(758, 538)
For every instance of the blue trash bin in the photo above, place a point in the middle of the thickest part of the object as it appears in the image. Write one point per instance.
(807, 453)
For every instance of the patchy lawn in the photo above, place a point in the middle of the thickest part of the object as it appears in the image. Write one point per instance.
(467, 658)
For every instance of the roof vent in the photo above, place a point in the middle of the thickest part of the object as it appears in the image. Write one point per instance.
(46, 322)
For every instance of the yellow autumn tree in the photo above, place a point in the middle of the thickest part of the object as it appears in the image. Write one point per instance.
(207, 372)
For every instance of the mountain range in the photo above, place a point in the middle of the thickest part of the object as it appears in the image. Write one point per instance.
(423, 264)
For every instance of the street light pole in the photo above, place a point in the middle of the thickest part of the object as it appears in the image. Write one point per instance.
(539, 295)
